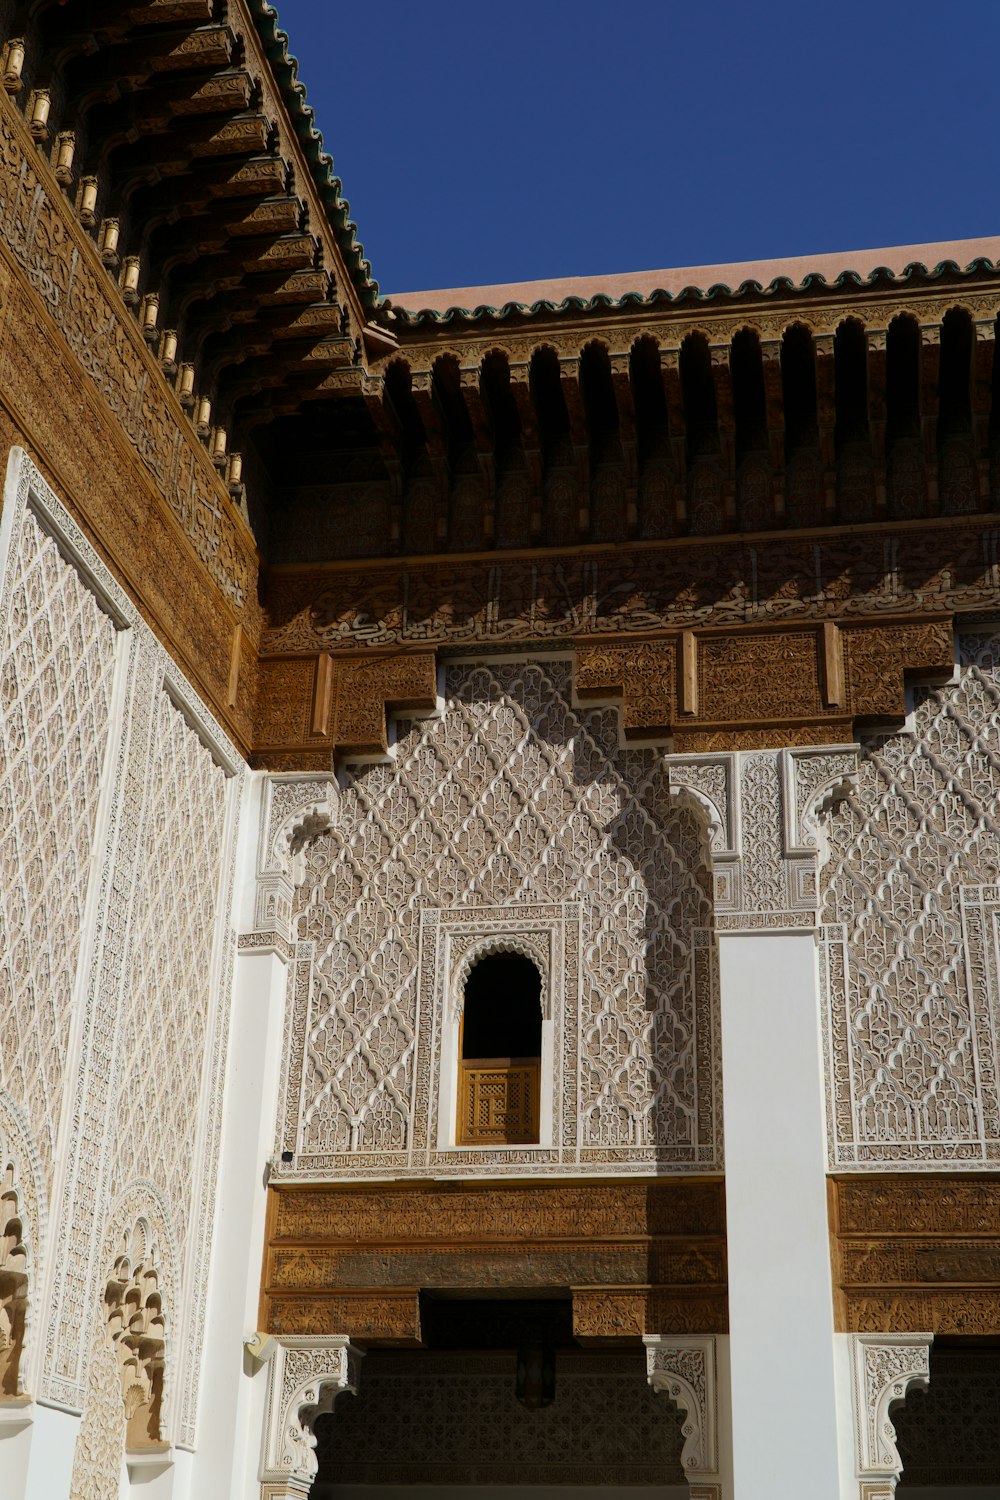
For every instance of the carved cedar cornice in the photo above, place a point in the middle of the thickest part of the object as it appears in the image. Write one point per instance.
(914, 1253)
(702, 691)
(757, 688)
(638, 1256)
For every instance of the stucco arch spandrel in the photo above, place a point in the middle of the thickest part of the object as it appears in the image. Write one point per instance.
(501, 942)
(20, 1154)
(141, 1212)
(706, 786)
(299, 809)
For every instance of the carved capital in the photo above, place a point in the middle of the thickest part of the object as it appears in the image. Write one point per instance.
(305, 1377)
(762, 809)
(883, 1369)
(684, 1369)
(297, 809)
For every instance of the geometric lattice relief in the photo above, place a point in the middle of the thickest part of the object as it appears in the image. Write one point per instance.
(949, 1433)
(13, 1282)
(432, 1418)
(134, 1312)
(169, 991)
(56, 681)
(510, 796)
(911, 1012)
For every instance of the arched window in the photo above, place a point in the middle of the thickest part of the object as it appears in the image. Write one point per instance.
(501, 1046)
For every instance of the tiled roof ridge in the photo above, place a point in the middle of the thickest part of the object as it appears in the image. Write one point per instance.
(285, 67)
(693, 295)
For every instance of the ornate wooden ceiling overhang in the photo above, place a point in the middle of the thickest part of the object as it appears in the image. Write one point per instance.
(807, 499)
(637, 1257)
(179, 133)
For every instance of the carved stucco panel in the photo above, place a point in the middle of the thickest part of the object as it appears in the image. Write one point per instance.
(909, 960)
(510, 798)
(59, 648)
(151, 995)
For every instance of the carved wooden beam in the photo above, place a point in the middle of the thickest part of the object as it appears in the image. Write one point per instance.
(643, 676)
(757, 689)
(311, 708)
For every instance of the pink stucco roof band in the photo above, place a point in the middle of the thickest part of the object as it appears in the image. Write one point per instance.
(796, 268)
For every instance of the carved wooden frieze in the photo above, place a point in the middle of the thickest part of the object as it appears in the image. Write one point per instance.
(916, 1254)
(639, 1257)
(504, 599)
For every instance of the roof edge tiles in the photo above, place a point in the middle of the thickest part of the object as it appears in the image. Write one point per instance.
(285, 67)
(687, 284)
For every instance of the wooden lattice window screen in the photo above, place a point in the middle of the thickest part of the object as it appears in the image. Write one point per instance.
(498, 1101)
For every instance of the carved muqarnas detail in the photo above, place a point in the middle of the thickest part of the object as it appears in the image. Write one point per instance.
(13, 1285)
(136, 1330)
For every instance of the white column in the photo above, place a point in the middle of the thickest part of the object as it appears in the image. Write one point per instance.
(37, 1444)
(785, 1438)
(233, 1385)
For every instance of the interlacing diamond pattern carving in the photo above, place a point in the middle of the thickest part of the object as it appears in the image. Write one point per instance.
(912, 1014)
(57, 673)
(169, 993)
(511, 796)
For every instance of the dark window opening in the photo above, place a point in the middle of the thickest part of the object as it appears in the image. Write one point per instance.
(503, 1014)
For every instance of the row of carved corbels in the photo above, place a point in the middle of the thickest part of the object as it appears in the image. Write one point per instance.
(261, 208)
(884, 1367)
(683, 1368)
(620, 333)
(305, 1377)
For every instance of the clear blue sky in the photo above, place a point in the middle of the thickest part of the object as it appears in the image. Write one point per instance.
(505, 140)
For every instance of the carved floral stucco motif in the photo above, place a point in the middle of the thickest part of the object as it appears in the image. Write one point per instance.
(911, 995)
(305, 1377)
(883, 1369)
(129, 794)
(684, 1369)
(512, 797)
(57, 672)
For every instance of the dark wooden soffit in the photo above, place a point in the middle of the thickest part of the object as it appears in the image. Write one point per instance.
(637, 1257)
